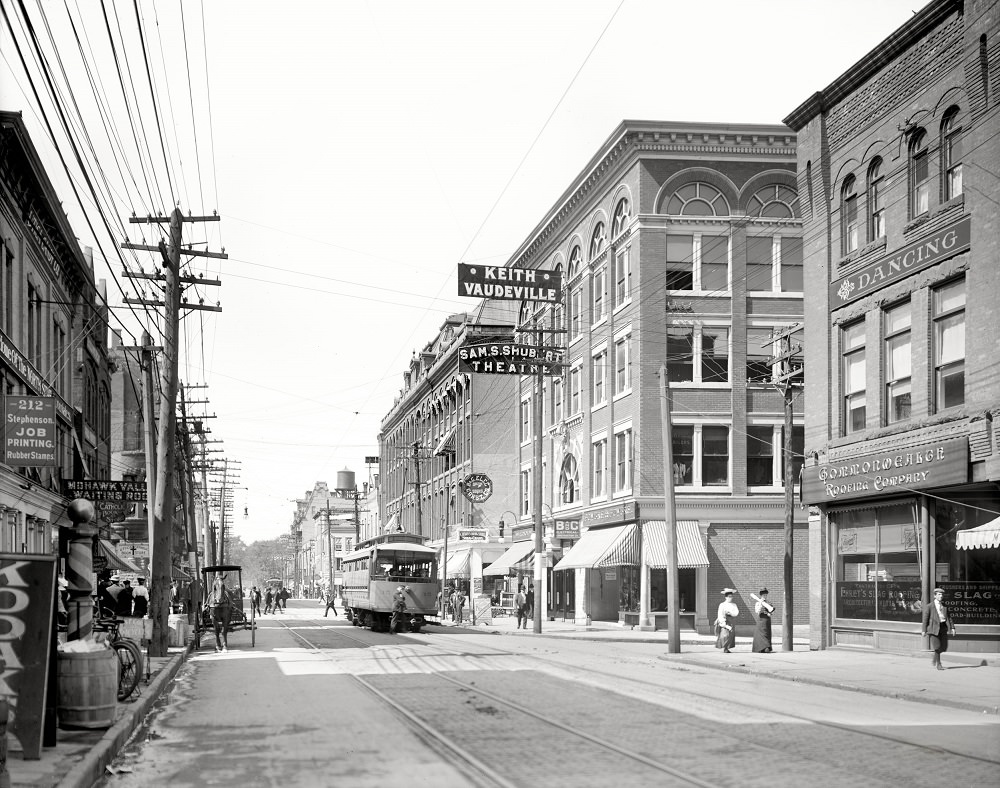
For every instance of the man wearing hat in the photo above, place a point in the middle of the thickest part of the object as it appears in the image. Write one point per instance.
(937, 625)
(398, 610)
(725, 632)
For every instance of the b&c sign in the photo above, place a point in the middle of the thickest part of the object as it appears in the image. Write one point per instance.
(888, 472)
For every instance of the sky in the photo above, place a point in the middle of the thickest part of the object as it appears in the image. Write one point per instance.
(355, 154)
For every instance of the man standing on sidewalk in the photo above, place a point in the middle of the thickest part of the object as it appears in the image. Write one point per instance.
(937, 625)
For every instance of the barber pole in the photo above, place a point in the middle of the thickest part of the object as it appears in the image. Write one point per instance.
(80, 569)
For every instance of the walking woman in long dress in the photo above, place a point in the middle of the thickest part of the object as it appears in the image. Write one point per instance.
(725, 632)
(762, 633)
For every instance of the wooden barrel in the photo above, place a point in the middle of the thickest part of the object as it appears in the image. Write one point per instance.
(88, 689)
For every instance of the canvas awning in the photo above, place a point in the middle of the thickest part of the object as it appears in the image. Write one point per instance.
(458, 565)
(505, 563)
(980, 538)
(116, 562)
(625, 550)
(446, 444)
(593, 546)
(690, 548)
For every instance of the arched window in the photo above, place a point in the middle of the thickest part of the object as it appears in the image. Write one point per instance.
(558, 310)
(876, 201)
(569, 480)
(774, 202)
(951, 154)
(920, 174)
(525, 313)
(622, 216)
(598, 240)
(575, 260)
(849, 216)
(697, 199)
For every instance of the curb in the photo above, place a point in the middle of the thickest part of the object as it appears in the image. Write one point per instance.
(89, 769)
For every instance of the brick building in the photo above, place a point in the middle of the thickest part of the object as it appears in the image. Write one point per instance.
(679, 246)
(444, 425)
(898, 166)
(53, 349)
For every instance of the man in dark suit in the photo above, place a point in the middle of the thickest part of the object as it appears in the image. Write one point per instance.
(937, 625)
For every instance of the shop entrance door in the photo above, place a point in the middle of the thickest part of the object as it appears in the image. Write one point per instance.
(562, 592)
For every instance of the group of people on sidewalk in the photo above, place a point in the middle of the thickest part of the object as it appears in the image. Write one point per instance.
(937, 624)
(118, 597)
(452, 601)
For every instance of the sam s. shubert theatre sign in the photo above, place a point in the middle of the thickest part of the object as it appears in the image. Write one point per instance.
(888, 472)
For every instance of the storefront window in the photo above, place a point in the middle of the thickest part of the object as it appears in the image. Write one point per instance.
(970, 578)
(628, 590)
(879, 563)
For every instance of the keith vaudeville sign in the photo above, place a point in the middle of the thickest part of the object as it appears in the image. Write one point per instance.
(938, 246)
(509, 284)
(888, 472)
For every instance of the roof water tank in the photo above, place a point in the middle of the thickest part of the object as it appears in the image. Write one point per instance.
(345, 479)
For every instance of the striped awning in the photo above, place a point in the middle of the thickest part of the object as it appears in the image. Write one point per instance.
(625, 550)
(593, 546)
(690, 549)
(116, 561)
(447, 444)
(505, 563)
(982, 537)
(458, 565)
(527, 564)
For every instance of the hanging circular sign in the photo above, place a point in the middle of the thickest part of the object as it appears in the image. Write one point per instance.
(477, 487)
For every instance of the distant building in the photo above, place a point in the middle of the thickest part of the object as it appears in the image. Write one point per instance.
(53, 345)
(444, 425)
(323, 528)
(899, 173)
(680, 244)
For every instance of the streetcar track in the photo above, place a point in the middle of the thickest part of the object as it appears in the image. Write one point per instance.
(713, 699)
(482, 771)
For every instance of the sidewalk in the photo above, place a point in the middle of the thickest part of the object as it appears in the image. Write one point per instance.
(970, 681)
(79, 757)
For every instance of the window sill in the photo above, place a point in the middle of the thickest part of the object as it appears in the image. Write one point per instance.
(776, 294)
(621, 306)
(576, 339)
(602, 404)
(691, 384)
(621, 395)
(702, 489)
(701, 293)
(622, 494)
(598, 323)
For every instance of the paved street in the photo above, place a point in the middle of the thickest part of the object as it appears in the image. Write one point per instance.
(312, 704)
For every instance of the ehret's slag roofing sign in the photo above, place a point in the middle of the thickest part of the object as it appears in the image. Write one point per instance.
(938, 246)
(509, 284)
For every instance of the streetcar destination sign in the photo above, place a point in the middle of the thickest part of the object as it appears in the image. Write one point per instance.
(509, 284)
(509, 358)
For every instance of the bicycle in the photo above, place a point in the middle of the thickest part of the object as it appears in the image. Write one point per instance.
(129, 656)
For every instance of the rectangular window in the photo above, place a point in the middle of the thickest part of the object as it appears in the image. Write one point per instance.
(557, 400)
(599, 301)
(798, 453)
(682, 443)
(598, 377)
(760, 456)
(715, 456)
(850, 223)
(623, 277)
(791, 265)
(525, 492)
(852, 342)
(575, 389)
(7, 291)
(953, 164)
(876, 207)
(575, 313)
(760, 263)
(714, 355)
(897, 359)
(949, 345)
(623, 460)
(623, 379)
(680, 354)
(598, 465)
(715, 263)
(760, 355)
(921, 182)
(680, 262)
(525, 420)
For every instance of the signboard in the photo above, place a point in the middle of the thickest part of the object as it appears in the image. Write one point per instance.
(477, 487)
(620, 513)
(473, 535)
(888, 472)
(27, 599)
(371, 460)
(106, 490)
(510, 358)
(29, 431)
(935, 248)
(567, 529)
(509, 284)
(19, 364)
(972, 602)
(968, 602)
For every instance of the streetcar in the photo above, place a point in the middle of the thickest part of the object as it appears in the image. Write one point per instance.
(377, 567)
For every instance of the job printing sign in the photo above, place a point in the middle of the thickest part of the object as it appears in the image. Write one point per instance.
(509, 284)
(935, 248)
(29, 432)
(899, 470)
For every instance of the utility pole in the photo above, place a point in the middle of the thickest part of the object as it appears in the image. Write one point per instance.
(187, 489)
(537, 487)
(149, 430)
(416, 486)
(222, 512)
(160, 536)
(670, 518)
(786, 377)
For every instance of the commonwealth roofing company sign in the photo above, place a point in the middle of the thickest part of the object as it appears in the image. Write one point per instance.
(888, 472)
(936, 247)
